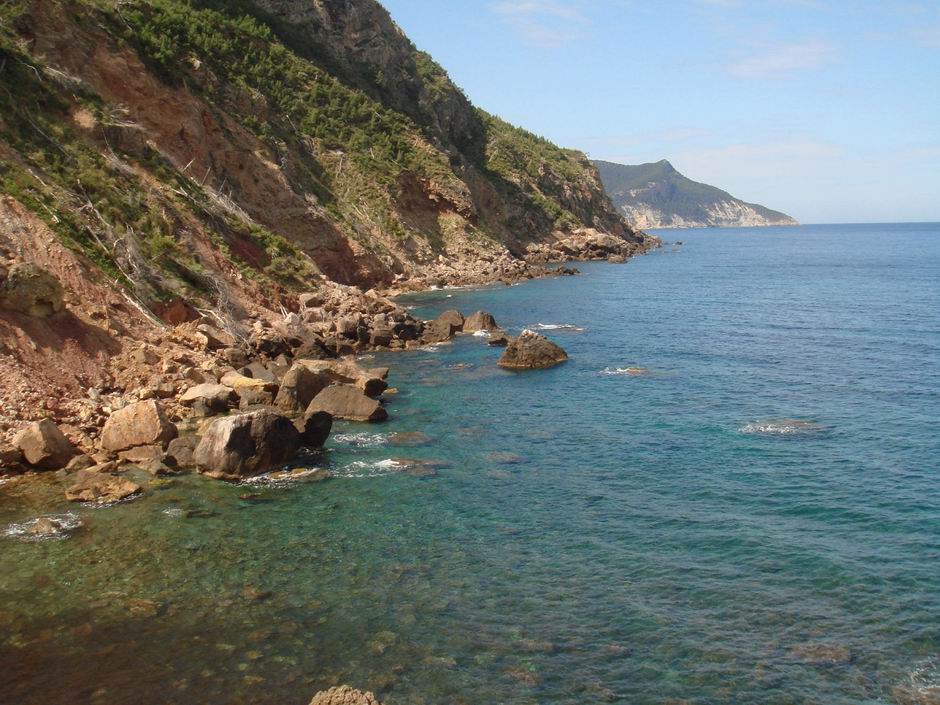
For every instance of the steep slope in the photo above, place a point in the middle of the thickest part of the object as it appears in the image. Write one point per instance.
(182, 158)
(657, 196)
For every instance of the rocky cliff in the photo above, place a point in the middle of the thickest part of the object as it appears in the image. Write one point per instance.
(175, 160)
(657, 196)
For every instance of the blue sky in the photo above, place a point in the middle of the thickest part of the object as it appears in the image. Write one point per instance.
(826, 109)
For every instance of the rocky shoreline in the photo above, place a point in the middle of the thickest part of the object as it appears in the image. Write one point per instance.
(233, 403)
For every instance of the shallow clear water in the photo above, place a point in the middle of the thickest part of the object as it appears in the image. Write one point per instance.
(753, 519)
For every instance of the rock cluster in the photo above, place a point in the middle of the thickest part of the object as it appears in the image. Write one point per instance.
(586, 244)
(344, 695)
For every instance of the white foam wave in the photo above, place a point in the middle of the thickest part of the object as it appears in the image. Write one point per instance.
(377, 468)
(362, 439)
(482, 334)
(174, 512)
(559, 326)
(782, 427)
(625, 371)
(283, 478)
(61, 526)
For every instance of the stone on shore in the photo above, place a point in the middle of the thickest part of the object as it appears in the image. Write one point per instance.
(247, 445)
(344, 401)
(100, 488)
(31, 290)
(214, 398)
(140, 424)
(44, 446)
(314, 428)
(344, 695)
(240, 382)
(479, 321)
(531, 351)
(299, 387)
(370, 381)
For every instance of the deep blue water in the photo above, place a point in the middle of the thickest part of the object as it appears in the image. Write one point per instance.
(751, 517)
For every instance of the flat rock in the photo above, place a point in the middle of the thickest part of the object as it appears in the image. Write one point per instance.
(140, 424)
(247, 445)
(343, 401)
(531, 351)
(100, 488)
(44, 446)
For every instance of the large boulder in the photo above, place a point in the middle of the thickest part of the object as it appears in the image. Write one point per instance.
(31, 290)
(531, 351)
(314, 428)
(180, 451)
(453, 318)
(479, 321)
(94, 485)
(371, 381)
(44, 446)
(344, 695)
(299, 387)
(140, 424)
(344, 401)
(243, 446)
(211, 397)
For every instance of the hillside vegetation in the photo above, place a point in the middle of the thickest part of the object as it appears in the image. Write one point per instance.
(202, 148)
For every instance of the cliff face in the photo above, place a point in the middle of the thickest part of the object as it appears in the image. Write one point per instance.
(188, 146)
(657, 196)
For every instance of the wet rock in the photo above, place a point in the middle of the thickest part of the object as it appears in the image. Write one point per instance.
(100, 488)
(216, 398)
(498, 339)
(179, 452)
(243, 446)
(31, 290)
(48, 528)
(157, 468)
(531, 351)
(44, 446)
(344, 695)
(349, 403)
(314, 428)
(299, 387)
(481, 320)
(140, 424)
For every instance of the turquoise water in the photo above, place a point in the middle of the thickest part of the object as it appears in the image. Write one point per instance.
(755, 518)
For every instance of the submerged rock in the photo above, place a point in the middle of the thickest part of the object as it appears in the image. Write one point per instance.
(531, 351)
(818, 654)
(344, 401)
(243, 446)
(100, 488)
(44, 446)
(344, 695)
(140, 424)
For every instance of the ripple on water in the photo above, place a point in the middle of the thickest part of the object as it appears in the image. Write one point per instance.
(923, 685)
(50, 527)
(372, 468)
(560, 327)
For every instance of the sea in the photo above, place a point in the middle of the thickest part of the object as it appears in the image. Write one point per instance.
(729, 494)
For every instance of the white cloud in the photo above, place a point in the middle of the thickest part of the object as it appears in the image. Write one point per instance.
(545, 23)
(783, 60)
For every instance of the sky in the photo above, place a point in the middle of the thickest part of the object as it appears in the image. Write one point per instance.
(828, 110)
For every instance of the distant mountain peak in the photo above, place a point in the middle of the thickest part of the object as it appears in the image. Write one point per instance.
(655, 195)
